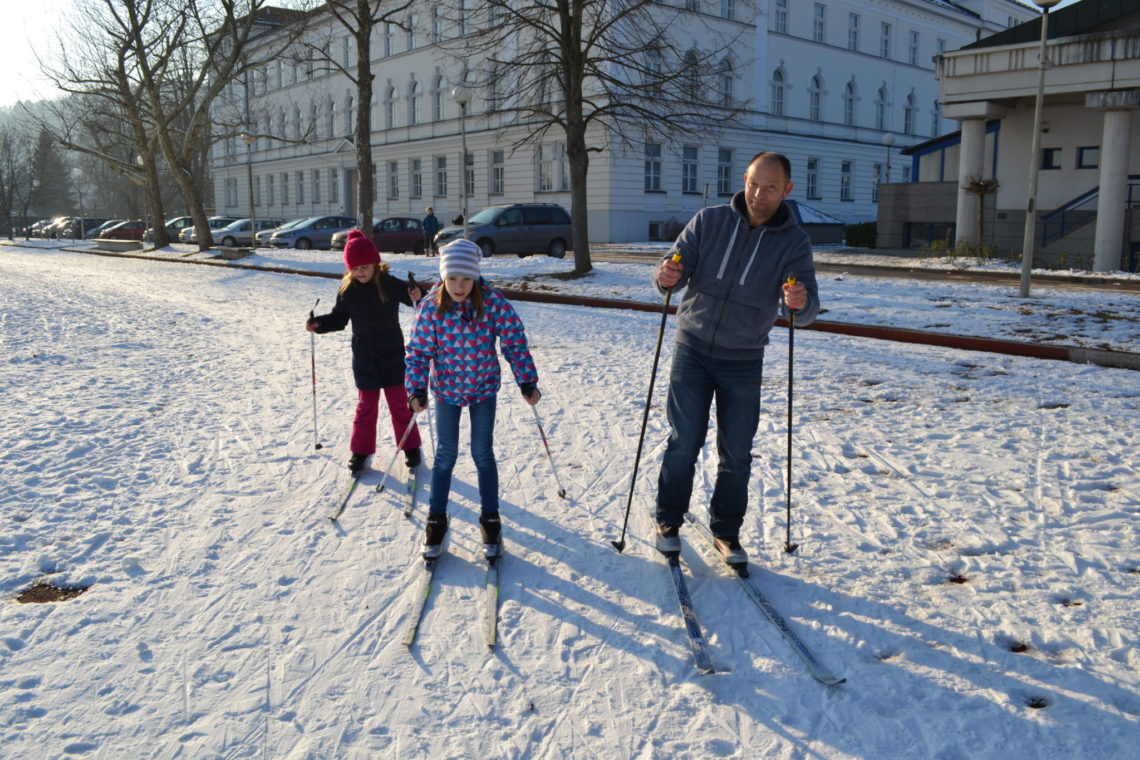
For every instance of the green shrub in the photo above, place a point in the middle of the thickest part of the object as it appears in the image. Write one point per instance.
(861, 235)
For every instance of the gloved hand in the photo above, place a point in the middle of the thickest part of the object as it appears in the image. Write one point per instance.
(530, 392)
(417, 402)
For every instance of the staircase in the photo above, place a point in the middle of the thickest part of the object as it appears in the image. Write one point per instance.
(1080, 211)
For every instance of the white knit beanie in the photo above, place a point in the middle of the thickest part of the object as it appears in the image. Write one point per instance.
(460, 258)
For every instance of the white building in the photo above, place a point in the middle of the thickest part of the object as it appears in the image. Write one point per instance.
(822, 82)
(1089, 164)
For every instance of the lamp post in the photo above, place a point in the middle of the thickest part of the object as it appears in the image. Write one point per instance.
(1029, 240)
(146, 214)
(462, 96)
(248, 139)
(77, 175)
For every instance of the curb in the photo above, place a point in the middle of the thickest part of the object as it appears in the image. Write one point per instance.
(1075, 354)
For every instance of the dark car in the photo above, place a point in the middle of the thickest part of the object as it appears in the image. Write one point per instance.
(314, 232)
(519, 228)
(129, 230)
(396, 234)
(94, 233)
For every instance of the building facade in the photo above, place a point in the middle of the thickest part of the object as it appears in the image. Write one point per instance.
(839, 87)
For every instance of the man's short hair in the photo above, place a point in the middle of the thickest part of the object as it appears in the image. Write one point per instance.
(771, 155)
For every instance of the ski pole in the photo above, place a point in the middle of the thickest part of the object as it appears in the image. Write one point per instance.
(313, 362)
(557, 482)
(789, 547)
(399, 448)
(620, 543)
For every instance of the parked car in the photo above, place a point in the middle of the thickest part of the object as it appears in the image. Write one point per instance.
(58, 227)
(109, 223)
(314, 232)
(239, 232)
(190, 235)
(519, 228)
(132, 229)
(174, 227)
(82, 227)
(36, 229)
(264, 236)
(396, 234)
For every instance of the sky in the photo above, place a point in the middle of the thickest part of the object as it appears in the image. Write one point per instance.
(966, 526)
(35, 27)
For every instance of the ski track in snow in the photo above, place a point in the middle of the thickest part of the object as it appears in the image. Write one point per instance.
(159, 446)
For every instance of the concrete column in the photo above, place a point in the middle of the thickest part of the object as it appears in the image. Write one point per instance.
(1114, 162)
(971, 163)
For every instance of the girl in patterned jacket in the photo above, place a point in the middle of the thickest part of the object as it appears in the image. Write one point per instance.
(455, 330)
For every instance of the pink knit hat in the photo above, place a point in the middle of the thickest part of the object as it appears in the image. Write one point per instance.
(359, 250)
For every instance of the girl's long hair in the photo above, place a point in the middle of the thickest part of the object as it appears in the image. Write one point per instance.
(347, 280)
(445, 303)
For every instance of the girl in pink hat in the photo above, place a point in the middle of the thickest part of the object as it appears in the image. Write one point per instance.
(368, 298)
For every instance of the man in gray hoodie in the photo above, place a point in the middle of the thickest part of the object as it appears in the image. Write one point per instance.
(735, 263)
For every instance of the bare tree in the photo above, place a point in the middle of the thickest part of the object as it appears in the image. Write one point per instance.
(360, 18)
(614, 72)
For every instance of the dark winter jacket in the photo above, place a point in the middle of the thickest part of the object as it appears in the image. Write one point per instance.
(377, 340)
(732, 276)
(462, 349)
(431, 225)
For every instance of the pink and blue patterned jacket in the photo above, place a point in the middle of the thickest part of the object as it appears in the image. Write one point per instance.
(462, 349)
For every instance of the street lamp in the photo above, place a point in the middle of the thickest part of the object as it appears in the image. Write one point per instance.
(248, 139)
(1029, 241)
(462, 96)
(146, 212)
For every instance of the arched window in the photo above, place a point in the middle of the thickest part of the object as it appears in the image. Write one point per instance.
(849, 104)
(437, 98)
(910, 114)
(415, 91)
(311, 127)
(692, 78)
(296, 122)
(724, 82)
(349, 116)
(654, 65)
(881, 108)
(936, 119)
(390, 106)
(330, 118)
(815, 99)
(779, 91)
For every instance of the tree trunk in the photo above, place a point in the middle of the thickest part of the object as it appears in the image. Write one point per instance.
(363, 127)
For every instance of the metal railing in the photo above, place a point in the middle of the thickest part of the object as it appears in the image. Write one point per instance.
(1081, 210)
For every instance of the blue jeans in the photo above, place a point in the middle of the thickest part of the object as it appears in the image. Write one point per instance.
(694, 380)
(482, 416)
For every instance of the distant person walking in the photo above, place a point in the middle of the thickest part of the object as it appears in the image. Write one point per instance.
(431, 227)
(735, 262)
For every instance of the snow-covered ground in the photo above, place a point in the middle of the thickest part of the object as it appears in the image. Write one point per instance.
(967, 530)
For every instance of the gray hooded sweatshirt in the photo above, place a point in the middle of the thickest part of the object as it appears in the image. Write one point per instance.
(733, 276)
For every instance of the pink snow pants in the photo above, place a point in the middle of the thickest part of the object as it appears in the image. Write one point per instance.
(367, 410)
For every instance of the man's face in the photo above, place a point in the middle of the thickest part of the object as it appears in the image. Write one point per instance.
(765, 185)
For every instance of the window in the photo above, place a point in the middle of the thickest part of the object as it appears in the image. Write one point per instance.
(653, 68)
(1051, 158)
(691, 81)
(781, 17)
(910, 114)
(815, 99)
(1088, 157)
(414, 92)
(257, 191)
(316, 177)
(542, 170)
(495, 176)
(334, 187)
(436, 25)
(884, 40)
(819, 15)
(936, 119)
(231, 192)
(881, 109)
(728, 9)
(284, 189)
(330, 119)
(779, 89)
(849, 104)
(845, 181)
(912, 55)
(724, 171)
(563, 166)
(652, 167)
(393, 179)
(812, 178)
(349, 116)
(270, 190)
(299, 184)
(724, 79)
(441, 176)
(417, 173)
(469, 174)
(693, 5)
(413, 32)
(464, 18)
(390, 107)
(388, 33)
(346, 51)
(940, 46)
(853, 31)
(437, 98)
(689, 168)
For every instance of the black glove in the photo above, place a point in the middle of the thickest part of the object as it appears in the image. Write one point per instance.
(420, 396)
(528, 389)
